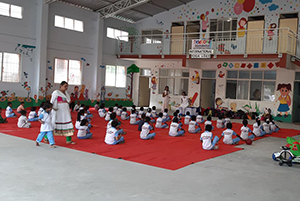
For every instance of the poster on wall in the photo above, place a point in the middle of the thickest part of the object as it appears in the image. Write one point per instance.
(198, 44)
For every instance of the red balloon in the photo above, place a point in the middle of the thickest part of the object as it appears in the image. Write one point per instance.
(249, 5)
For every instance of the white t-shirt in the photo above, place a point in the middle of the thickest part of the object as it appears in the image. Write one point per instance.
(184, 101)
(76, 107)
(153, 112)
(108, 126)
(173, 129)
(145, 130)
(165, 115)
(228, 136)
(227, 120)
(124, 115)
(244, 132)
(23, 122)
(47, 119)
(207, 123)
(8, 111)
(148, 114)
(101, 112)
(32, 114)
(187, 119)
(110, 135)
(199, 119)
(82, 131)
(219, 123)
(119, 111)
(40, 111)
(107, 117)
(206, 138)
(192, 126)
(273, 126)
(115, 109)
(132, 118)
(266, 127)
(140, 114)
(159, 122)
(256, 130)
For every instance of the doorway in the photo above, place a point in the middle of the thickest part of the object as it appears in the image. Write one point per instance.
(296, 102)
(255, 34)
(144, 92)
(207, 98)
(287, 41)
(193, 32)
(177, 42)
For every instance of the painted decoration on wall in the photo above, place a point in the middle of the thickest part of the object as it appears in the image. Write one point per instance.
(154, 84)
(160, 22)
(130, 72)
(196, 78)
(25, 50)
(81, 95)
(233, 106)
(242, 27)
(284, 99)
(127, 92)
(49, 65)
(167, 34)
(102, 66)
(204, 23)
(110, 94)
(219, 103)
(251, 109)
(249, 65)
(221, 74)
(271, 30)
(193, 99)
(4, 93)
(26, 86)
(25, 74)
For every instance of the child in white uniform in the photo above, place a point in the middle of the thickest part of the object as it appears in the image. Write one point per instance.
(41, 108)
(220, 122)
(208, 122)
(96, 106)
(124, 115)
(154, 114)
(107, 116)
(141, 112)
(84, 131)
(102, 111)
(77, 106)
(245, 131)
(257, 128)
(133, 117)
(227, 134)
(22, 121)
(267, 127)
(175, 114)
(208, 142)
(149, 114)
(146, 128)
(199, 118)
(115, 109)
(114, 136)
(175, 129)
(166, 117)
(274, 127)
(9, 112)
(160, 123)
(46, 126)
(33, 115)
(187, 118)
(120, 110)
(80, 117)
(192, 126)
(226, 121)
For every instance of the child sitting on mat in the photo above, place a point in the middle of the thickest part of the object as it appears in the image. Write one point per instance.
(226, 121)
(119, 111)
(77, 106)
(9, 112)
(266, 126)
(32, 116)
(88, 114)
(133, 117)
(257, 130)
(96, 106)
(22, 121)
(1, 119)
(227, 134)
(146, 128)
(110, 110)
(199, 118)
(141, 122)
(124, 115)
(102, 110)
(154, 114)
(160, 123)
(220, 122)
(149, 114)
(114, 136)
(141, 112)
(274, 127)
(187, 118)
(208, 141)
(245, 131)
(46, 126)
(175, 114)
(84, 131)
(192, 126)
(175, 129)
(208, 122)
(115, 109)
(21, 107)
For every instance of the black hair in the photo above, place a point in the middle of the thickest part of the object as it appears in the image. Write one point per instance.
(193, 118)
(184, 92)
(208, 118)
(142, 109)
(220, 116)
(83, 122)
(160, 114)
(97, 102)
(86, 107)
(229, 125)
(133, 106)
(82, 105)
(79, 114)
(9, 103)
(110, 109)
(153, 108)
(245, 122)
(0, 108)
(63, 83)
(175, 119)
(114, 124)
(116, 105)
(120, 106)
(22, 102)
(257, 121)
(47, 105)
(124, 109)
(101, 106)
(149, 110)
(187, 113)
(175, 114)
(177, 111)
(33, 108)
(23, 112)
(113, 115)
(166, 110)
(133, 111)
(72, 94)
(42, 104)
(143, 116)
(267, 121)
(208, 127)
(199, 113)
(147, 119)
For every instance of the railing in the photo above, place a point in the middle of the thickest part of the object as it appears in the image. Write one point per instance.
(263, 41)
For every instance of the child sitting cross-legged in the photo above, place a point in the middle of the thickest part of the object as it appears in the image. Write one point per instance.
(84, 131)
(257, 128)
(102, 110)
(77, 106)
(133, 117)
(208, 122)
(141, 112)
(9, 112)
(141, 122)
(245, 131)
(165, 115)
(187, 118)
(21, 107)
(149, 114)
(267, 127)
(124, 115)
(227, 134)
(96, 106)
(192, 126)
(114, 136)
(160, 123)
(274, 127)
(175, 129)
(146, 128)
(113, 117)
(175, 114)
(199, 118)
(107, 116)
(32, 116)
(220, 122)
(208, 141)
(119, 110)
(153, 112)
(22, 121)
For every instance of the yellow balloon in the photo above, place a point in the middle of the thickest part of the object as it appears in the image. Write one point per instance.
(240, 1)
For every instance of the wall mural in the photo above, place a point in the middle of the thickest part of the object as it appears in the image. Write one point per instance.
(25, 50)
(248, 65)
(284, 99)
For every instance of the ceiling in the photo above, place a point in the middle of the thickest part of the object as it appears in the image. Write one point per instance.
(137, 13)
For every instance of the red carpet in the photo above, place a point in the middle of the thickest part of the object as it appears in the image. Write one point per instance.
(164, 151)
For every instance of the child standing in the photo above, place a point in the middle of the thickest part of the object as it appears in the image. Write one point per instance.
(220, 122)
(192, 126)
(146, 128)
(175, 129)
(160, 123)
(21, 107)
(124, 115)
(208, 142)
(9, 112)
(32, 115)
(22, 121)
(1, 119)
(46, 126)
(110, 110)
(199, 118)
(84, 131)
(102, 110)
(257, 128)
(187, 118)
(245, 131)
(227, 134)
(133, 117)
(114, 136)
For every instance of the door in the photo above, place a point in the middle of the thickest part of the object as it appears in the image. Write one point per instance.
(144, 92)
(296, 102)
(177, 42)
(255, 37)
(287, 41)
(192, 30)
(207, 93)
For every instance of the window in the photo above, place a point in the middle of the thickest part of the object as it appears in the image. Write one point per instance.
(11, 10)
(254, 85)
(209, 74)
(117, 34)
(223, 29)
(152, 36)
(177, 80)
(68, 23)
(67, 70)
(9, 67)
(145, 72)
(115, 76)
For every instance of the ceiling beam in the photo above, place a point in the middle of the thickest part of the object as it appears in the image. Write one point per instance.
(144, 13)
(182, 2)
(49, 1)
(164, 8)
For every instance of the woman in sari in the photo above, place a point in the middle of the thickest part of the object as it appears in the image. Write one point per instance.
(61, 111)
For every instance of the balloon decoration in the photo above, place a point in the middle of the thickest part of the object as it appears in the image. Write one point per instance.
(238, 8)
(249, 5)
(246, 5)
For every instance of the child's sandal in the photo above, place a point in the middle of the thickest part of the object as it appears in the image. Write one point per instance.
(71, 142)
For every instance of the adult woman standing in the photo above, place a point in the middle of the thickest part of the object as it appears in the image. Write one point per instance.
(166, 98)
(185, 102)
(61, 111)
